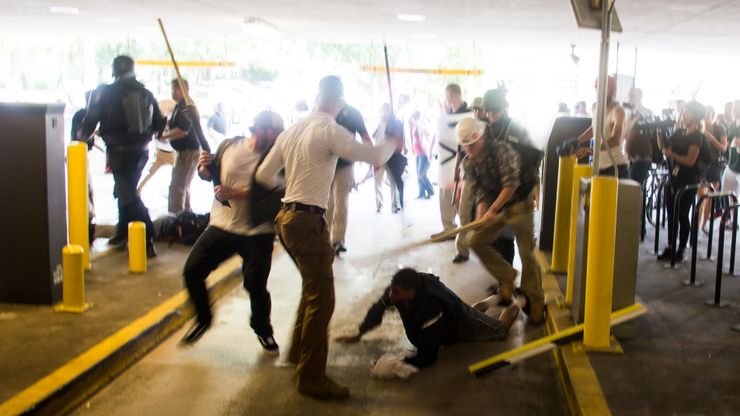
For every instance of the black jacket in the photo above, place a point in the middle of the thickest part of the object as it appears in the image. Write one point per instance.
(112, 107)
(430, 320)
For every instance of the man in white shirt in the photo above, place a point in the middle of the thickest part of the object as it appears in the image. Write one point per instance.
(308, 152)
(379, 172)
(231, 230)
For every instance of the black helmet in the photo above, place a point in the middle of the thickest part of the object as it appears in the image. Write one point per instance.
(122, 65)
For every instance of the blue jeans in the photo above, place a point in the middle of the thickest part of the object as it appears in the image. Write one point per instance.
(425, 186)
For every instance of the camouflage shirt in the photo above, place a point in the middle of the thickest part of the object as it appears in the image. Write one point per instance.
(500, 168)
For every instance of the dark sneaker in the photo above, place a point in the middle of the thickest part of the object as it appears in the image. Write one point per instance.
(459, 259)
(195, 332)
(322, 389)
(118, 240)
(666, 254)
(269, 345)
(151, 250)
(679, 256)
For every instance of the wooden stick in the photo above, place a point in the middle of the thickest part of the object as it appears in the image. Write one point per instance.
(444, 235)
(185, 92)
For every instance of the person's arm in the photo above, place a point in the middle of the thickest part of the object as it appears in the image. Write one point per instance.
(181, 125)
(509, 171)
(615, 137)
(689, 159)
(204, 160)
(373, 318)
(366, 138)
(273, 163)
(159, 121)
(586, 135)
(92, 115)
(174, 134)
(342, 143)
(719, 143)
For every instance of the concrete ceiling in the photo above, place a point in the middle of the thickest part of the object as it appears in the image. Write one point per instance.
(688, 25)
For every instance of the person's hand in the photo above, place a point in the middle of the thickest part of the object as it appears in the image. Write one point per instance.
(349, 339)
(582, 152)
(205, 158)
(224, 193)
(490, 217)
(668, 152)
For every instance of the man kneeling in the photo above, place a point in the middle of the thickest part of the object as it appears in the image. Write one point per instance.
(432, 316)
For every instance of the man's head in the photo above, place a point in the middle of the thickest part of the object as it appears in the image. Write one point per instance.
(453, 97)
(266, 127)
(470, 134)
(177, 93)
(477, 107)
(693, 113)
(729, 115)
(735, 110)
(611, 88)
(219, 108)
(494, 104)
(404, 285)
(634, 96)
(331, 95)
(709, 116)
(123, 66)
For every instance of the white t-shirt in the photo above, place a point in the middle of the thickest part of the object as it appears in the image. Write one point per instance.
(447, 147)
(309, 150)
(237, 167)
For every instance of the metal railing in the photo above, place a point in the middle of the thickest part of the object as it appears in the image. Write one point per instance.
(695, 231)
(733, 209)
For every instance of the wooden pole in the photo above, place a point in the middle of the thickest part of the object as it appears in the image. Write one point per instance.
(184, 90)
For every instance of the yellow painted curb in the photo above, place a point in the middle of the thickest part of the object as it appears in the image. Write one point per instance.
(157, 323)
(577, 377)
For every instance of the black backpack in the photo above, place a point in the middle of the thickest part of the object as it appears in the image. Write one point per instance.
(531, 158)
(138, 110)
(189, 226)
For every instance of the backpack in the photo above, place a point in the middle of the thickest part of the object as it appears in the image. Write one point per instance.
(531, 159)
(138, 111)
(189, 226)
(705, 159)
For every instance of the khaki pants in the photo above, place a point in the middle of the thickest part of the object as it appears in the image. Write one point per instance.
(446, 209)
(182, 175)
(467, 204)
(161, 158)
(520, 218)
(379, 174)
(336, 213)
(306, 240)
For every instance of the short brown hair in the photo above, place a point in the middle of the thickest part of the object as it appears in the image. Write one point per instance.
(175, 83)
(454, 89)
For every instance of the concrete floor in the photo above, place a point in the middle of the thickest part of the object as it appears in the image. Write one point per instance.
(226, 373)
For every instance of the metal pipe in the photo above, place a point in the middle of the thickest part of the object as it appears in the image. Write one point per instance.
(602, 81)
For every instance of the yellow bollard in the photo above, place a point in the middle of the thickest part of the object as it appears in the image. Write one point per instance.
(137, 247)
(579, 172)
(77, 209)
(73, 280)
(600, 263)
(562, 215)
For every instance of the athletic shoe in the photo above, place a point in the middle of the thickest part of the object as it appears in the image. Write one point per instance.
(322, 389)
(118, 240)
(195, 332)
(270, 347)
(459, 259)
(666, 254)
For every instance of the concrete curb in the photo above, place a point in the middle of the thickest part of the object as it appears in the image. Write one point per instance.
(70, 385)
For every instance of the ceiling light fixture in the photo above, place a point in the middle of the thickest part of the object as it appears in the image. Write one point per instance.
(406, 17)
(259, 28)
(64, 10)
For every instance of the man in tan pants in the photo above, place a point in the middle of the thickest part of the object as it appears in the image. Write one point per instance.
(493, 167)
(308, 151)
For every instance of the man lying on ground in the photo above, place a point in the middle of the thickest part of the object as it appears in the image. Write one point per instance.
(432, 316)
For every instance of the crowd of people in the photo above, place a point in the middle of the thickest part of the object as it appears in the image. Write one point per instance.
(293, 183)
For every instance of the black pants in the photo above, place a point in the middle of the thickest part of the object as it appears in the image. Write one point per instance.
(505, 246)
(126, 166)
(679, 220)
(638, 171)
(213, 247)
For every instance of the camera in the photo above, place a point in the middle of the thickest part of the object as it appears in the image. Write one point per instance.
(662, 125)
